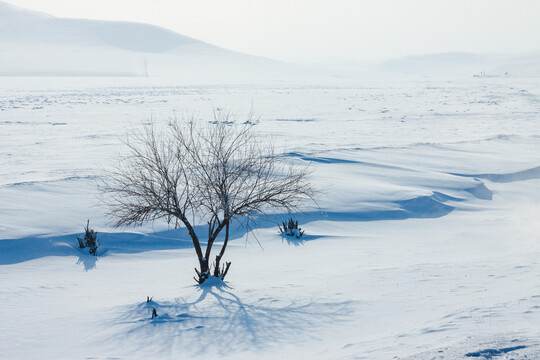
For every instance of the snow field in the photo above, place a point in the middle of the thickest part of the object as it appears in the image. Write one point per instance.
(426, 247)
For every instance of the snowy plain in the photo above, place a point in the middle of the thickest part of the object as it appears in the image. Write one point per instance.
(425, 245)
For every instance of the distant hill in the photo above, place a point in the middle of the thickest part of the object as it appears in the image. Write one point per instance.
(33, 43)
(23, 26)
(465, 65)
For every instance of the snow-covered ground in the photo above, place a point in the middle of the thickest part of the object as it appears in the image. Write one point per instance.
(426, 245)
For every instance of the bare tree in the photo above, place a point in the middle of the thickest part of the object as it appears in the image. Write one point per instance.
(193, 172)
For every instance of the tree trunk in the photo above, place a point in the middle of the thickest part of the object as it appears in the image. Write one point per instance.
(217, 271)
(204, 273)
(203, 262)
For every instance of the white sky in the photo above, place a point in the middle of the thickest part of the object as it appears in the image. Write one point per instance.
(312, 30)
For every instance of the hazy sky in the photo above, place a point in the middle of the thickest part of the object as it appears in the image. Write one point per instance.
(300, 30)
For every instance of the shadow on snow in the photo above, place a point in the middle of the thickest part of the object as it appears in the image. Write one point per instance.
(528, 174)
(220, 321)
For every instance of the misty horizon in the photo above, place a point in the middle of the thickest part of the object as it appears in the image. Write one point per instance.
(312, 32)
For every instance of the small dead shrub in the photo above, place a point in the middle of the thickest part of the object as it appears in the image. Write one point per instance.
(89, 240)
(291, 228)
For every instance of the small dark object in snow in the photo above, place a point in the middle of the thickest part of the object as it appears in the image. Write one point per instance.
(291, 228)
(489, 353)
(89, 240)
(154, 313)
(148, 299)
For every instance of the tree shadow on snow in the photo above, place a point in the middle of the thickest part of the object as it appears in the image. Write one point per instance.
(219, 321)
